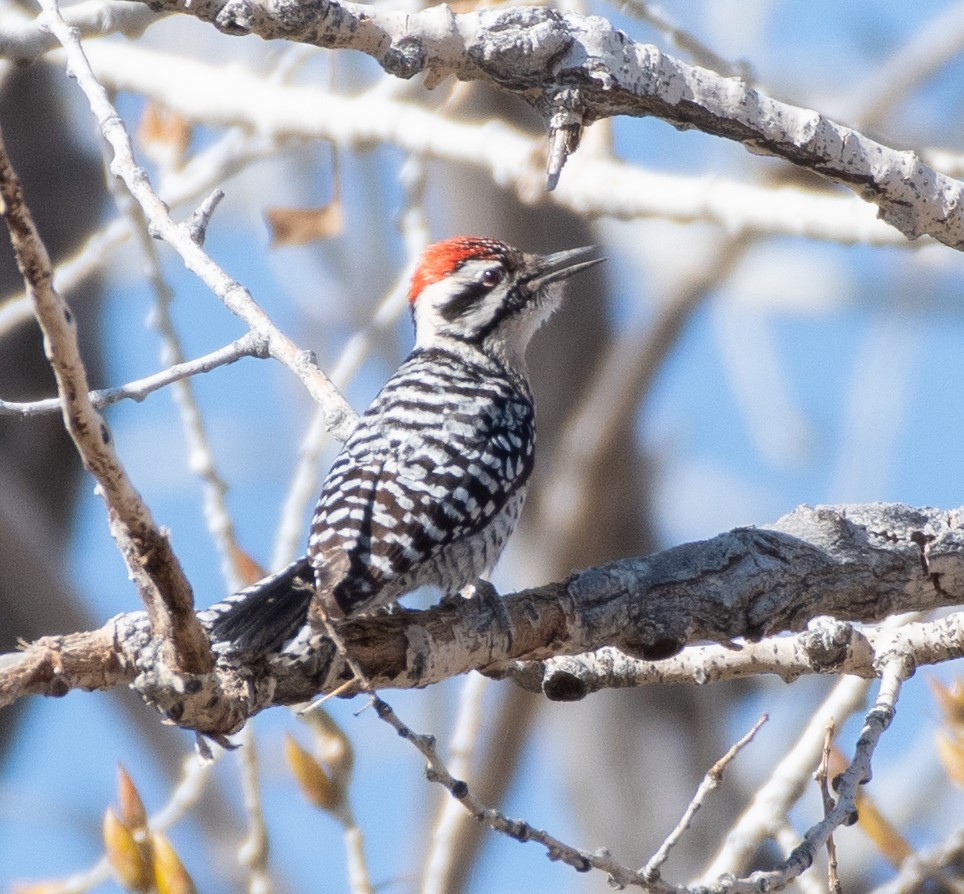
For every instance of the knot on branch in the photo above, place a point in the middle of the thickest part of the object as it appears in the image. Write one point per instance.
(295, 18)
(216, 703)
(405, 58)
(235, 18)
(516, 47)
(828, 643)
(564, 116)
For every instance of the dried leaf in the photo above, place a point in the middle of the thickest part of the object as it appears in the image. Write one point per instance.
(316, 784)
(950, 749)
(299, 226)
(249, 570)
(170, 876)
(164, 136)
(128, 860)
(332, 747)
(132, 812)
(950, 699)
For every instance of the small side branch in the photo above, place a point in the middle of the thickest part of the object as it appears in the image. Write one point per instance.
(833, 881)
(710, 781)
(827, 646)
(250, 345)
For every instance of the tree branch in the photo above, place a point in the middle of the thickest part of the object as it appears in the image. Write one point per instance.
(594, 184)
(856, 563)
(249, 345)
(340, 416)
(826, 647)
(547, 58)
(146, 550)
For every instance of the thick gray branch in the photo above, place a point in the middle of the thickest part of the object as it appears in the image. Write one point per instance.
(856, 563)
(581, 68)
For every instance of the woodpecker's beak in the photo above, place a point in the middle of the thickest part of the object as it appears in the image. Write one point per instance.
(559, 265)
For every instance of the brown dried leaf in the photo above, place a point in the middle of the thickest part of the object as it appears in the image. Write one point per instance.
(332, 747)
(170, 876)
(299, 226)
(130, 865)
(315, 782)
(164, 136)
(132, 812)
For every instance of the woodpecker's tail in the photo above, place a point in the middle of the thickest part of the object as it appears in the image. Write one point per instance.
(262, 618)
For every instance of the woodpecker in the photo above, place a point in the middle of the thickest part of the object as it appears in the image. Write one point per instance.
(430, 484)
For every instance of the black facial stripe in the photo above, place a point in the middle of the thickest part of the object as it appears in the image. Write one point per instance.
(514, 302)
(464, 301)
(500, 259)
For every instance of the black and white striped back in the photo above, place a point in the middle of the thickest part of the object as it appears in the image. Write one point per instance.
(429, 486)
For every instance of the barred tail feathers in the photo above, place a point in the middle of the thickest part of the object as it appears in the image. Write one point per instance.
(264, 617)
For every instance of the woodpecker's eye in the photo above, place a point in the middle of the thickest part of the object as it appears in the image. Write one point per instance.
(492, 277)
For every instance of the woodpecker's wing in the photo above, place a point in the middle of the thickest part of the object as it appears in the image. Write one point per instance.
(421, 472)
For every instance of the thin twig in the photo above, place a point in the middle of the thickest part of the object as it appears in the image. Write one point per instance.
(833, 881)
(436, 771)
(253, 852)
(710, 781)
(249, 345)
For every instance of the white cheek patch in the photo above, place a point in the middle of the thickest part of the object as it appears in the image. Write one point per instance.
(477, 318)
(429, 321)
